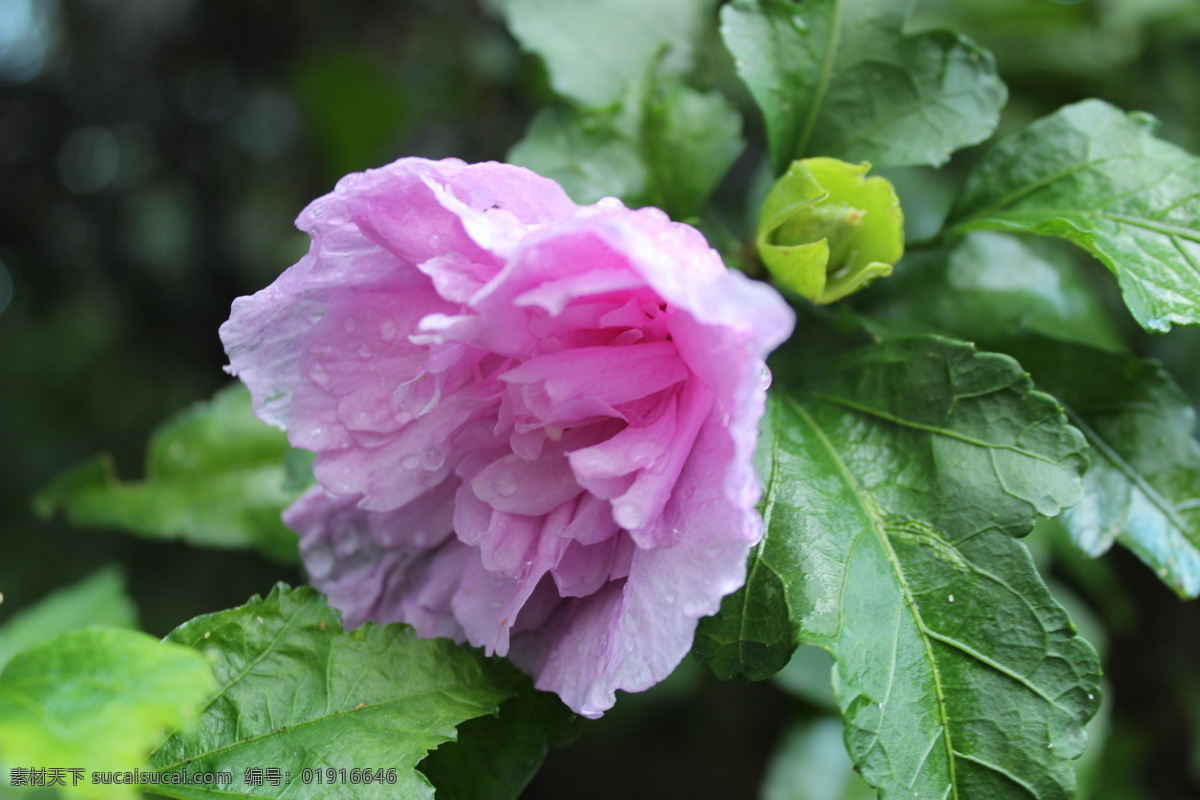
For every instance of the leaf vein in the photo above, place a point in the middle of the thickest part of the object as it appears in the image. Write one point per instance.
(880, 531)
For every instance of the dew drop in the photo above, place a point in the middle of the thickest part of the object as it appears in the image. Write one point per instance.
(504, 486)
(364, 351)
(319, 374)
(799, 24)
(387, 330)
(410, 461)
(950, 598)
(643, 453)
(349, 324)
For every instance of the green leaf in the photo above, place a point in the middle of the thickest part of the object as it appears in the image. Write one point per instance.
(215, 477)
(297, 692)
(495, 757)
(1143, 489)
(1098, 177)
(895, 483)
(991, 287)
(690, 140)
(595, 50)
(825, 231)
(666, 145)
(588, 153)
(97, 699)
(99, 599)
(839, 78)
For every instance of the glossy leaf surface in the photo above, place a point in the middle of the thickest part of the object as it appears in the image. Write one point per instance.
(297, 692)
(1098, 177)
(895, 483)
(841, 78)
(1143, 488)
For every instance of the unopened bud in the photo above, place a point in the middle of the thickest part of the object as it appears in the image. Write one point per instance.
(825, 231)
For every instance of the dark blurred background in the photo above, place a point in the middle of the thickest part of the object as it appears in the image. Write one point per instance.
(153, 154)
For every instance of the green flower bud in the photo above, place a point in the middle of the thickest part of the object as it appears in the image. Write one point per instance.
(825, 231)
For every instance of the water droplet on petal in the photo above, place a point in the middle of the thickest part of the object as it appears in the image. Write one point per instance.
(349, 324)
(387, 330)
(319, 374)
(643, 453)
(504, 486)
(364, 351)
(411, 461)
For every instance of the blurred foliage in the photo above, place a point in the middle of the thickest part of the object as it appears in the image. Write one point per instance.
(153, 155)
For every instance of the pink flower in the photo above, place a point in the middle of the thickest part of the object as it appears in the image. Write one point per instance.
(534, 421)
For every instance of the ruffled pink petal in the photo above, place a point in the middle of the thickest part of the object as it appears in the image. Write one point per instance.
(488, 604)
(351, 554)
(574, 391)
(568, 386)
(517, 486)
